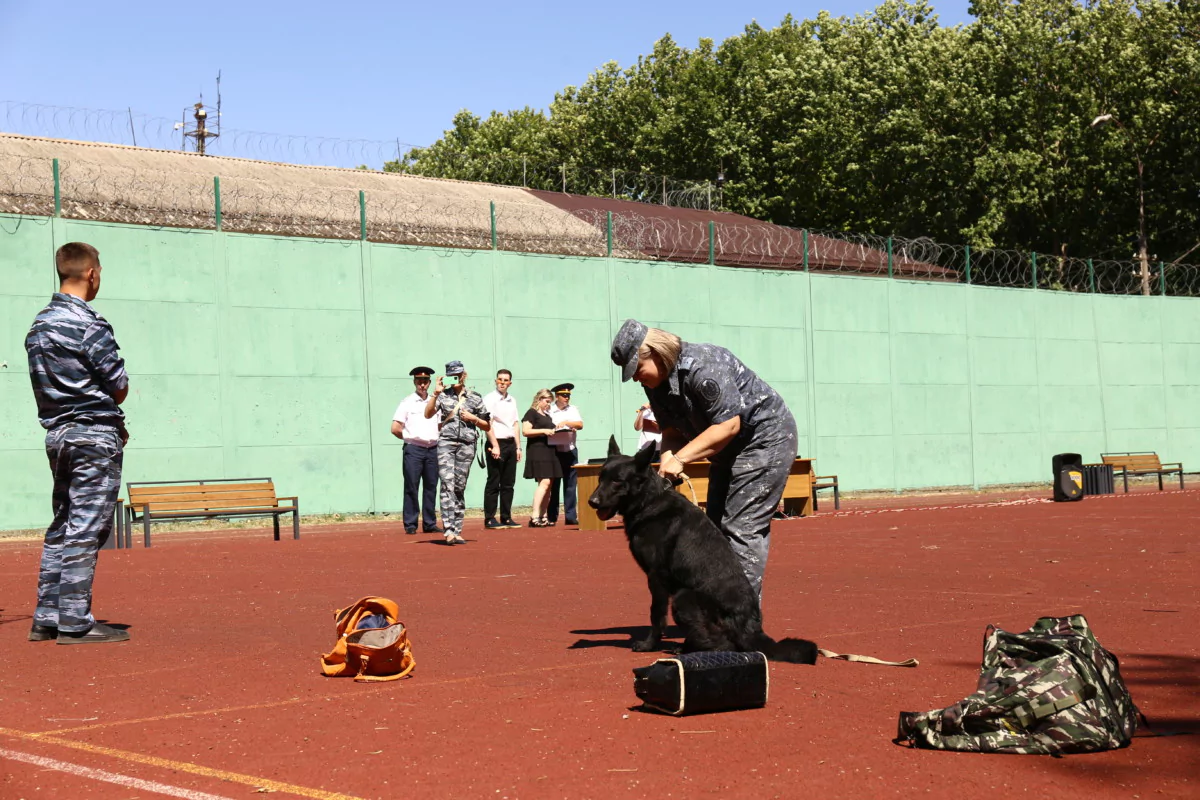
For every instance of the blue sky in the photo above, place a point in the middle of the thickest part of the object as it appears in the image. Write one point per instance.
(352, 71)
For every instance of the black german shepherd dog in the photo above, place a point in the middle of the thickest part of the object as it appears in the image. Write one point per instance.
(687, 561)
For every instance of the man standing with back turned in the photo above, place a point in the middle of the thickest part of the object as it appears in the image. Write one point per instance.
(79, 383)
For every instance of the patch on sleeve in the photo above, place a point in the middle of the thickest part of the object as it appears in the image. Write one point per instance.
(709, 389)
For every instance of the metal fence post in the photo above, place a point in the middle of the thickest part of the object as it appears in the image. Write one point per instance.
(1091, 277)
(712, 242)
(57, 191)
(492, 204)
(1033, 261)
(967, 250)
(362, 215)
(889, 256)
(217, 199)
(609, 232)
(805, 232)
(1162, 278)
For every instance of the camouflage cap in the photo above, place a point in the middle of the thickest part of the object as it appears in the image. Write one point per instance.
(625, 347)
(455, 368)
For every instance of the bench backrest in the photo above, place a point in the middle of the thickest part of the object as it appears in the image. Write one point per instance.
(194, 496)
(1133, 462)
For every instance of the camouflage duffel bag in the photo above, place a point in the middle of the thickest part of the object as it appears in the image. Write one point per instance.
(1048, 691)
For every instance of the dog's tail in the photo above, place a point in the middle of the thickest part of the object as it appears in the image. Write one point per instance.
(793, 651)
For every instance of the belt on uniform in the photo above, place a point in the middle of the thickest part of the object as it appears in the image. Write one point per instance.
(95, 426)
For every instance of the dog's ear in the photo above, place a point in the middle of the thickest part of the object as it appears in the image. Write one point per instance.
(613, 448)
(645, 457)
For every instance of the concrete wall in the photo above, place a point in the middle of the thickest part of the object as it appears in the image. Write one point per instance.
(271, 356)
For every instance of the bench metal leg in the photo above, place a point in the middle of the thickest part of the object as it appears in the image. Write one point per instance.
(1180, 479)
(1160, 486)
(837, 499)
(296, 521)
(113, 540)
(146, 527)
(1125, 478)
(275, 518)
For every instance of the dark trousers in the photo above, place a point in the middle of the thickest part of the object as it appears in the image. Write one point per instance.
(502, 476)
(86, 462)
(568, 488)
(420, 472)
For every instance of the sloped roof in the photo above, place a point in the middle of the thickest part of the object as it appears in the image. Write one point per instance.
(667, 233)
(138, 185)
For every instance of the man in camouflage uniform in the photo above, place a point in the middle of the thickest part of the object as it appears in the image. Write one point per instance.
(79, 382)
(710, 405)
(462, 415)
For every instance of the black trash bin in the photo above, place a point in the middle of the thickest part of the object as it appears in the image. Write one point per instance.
(1098, 479)
(1067, 469)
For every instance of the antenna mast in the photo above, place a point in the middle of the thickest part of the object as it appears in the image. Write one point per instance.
(201, 133)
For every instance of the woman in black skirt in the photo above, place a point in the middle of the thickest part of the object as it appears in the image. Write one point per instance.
(541, 463)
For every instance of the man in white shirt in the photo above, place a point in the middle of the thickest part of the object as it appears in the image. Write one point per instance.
(504, 451)
(567, 421)
(646, 425)
(420, 437)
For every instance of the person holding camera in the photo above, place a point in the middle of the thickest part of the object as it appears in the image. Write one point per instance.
(646, 425)
(462, 415)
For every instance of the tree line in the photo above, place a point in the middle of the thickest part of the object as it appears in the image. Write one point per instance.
(1059, 126)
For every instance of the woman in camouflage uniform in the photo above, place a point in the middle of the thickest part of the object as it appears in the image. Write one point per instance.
(462, 415)
(709, 405)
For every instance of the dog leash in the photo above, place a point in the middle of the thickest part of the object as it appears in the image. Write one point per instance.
(910, 662)
(682, 478)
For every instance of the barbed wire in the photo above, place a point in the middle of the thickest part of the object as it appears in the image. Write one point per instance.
(411, 214)
(129, 128)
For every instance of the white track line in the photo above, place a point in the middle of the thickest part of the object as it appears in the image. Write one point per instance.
(1025, 501)
(109, 777)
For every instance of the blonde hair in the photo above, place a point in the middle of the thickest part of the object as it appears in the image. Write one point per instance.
(666, 346)
(539, 394)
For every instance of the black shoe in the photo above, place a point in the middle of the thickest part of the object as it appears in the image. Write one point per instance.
(99, 634)
(508, 523)
(434, 529)
(572, 522)
(492, 525)
(42, 633)
(411, 531)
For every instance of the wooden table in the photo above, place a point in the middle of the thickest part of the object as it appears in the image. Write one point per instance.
(797, 493)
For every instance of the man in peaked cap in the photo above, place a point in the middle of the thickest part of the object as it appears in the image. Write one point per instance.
(567, 421)
(462, 415)
(710, 405)
(420, 436)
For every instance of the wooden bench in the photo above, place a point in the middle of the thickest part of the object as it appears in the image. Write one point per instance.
(797, 492)
(1141, 464)
(227, 498)
(821, 482)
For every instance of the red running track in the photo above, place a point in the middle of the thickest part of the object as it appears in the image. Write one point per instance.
(523, 686)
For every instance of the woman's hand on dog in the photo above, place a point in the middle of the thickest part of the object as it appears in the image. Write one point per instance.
(669, 465)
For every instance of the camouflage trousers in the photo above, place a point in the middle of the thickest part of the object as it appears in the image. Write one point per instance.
(745, 485)
(454, 466)
(86, 463)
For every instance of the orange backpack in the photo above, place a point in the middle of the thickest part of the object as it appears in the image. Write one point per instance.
(370, 654)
